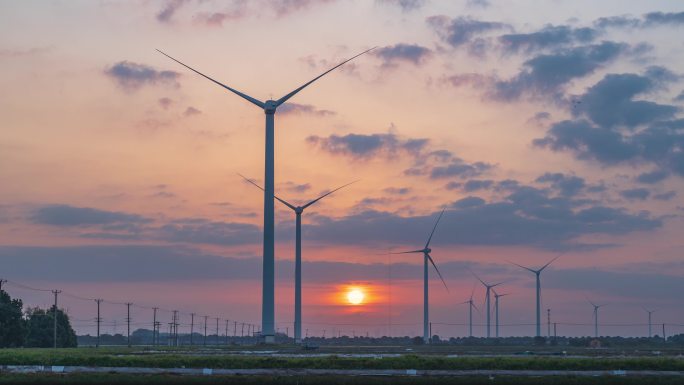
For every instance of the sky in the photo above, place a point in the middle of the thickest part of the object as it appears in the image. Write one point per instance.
(542, 128)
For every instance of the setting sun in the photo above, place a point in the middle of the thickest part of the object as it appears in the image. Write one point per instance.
(355, 296)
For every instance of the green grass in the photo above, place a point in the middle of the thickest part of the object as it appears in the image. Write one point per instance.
(135, 357)
(328, 380)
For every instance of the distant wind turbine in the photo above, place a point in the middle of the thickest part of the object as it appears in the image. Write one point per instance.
(537, 273)
(426, 257)
(488, 302)
(471, 305)
(496, 309)
(596, 307)
(649, 321)
(268, 280)
(298, 210)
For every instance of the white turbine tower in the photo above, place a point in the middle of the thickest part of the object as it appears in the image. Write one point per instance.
(298, 210)
(649, 321)
(596, 307)
(268, 274)
(471, 305)
(488, 302)
(496, 309)
(426, 257)
(537, 273)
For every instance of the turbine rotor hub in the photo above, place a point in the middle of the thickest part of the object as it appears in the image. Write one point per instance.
(299, 209)
(427, 250)
(270, 106)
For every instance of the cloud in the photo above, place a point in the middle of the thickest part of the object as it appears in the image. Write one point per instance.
(545, 75)
(397, 190)
(362, 146)
(303, 109)
(287, 7)
(204, 231)
(405, 5)
(459, 168)
(666, 196)
(567, 185)
(237, 11)
(652, 177)
(65, 215)
(636, 193)
(461, 30)
(295, 187)
(132, 76)
(190, 111)
(165, 103)
(169, 9)
(680, 97)
(527, 216)
(652, 19)
(548, 37)
(477, 184)
(22, 52)
(610, 102)
(611, 127)
(478, 3)
(391, 56)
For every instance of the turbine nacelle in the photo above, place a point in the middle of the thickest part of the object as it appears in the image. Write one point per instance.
(270, 106)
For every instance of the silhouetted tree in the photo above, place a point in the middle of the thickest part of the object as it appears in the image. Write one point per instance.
(39, 325)
(12, 325)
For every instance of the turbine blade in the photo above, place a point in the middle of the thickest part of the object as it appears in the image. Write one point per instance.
(408, 252)
(436, 269)
(478, 278)
(326, 194)
(260, 188)
(293, 93)
(496, 284)
(478, 310)
(433, 229)
(521, 266)
(550, 262)
(242, 95)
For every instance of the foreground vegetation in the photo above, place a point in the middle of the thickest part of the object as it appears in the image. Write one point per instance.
(328, 380)
(122, 357)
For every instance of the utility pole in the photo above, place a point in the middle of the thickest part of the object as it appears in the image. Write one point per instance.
(217, 331)
(54, 336)
(430, 332)
(205, 329)
(242, 331)
(155, 337)
(175, 328)
(548, 323)
(98, 320)
(323, 333)
(1, 282)
(192, 326)
(128, 323)
(664, 336)
(227, 322)
(554, 331)
(235, 329)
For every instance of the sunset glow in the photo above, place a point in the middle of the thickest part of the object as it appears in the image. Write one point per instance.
(355, 296)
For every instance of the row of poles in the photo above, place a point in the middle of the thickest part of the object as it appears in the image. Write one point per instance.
(252, 329)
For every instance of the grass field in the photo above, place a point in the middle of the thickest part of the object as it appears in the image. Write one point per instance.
(328, 380)
(226, 359)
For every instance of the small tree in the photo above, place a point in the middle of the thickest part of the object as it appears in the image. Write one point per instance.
(12, 326)
(40, 329)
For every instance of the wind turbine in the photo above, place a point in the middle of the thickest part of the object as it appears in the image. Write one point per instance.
(496, 307)
(488, 301)
(471, 305)
(537, 273)
(298, 253)
(649, 321)
(426, 257)
(596, 307)
(268, 274)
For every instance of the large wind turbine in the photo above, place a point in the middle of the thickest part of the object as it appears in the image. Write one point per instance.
(596, 307)
(298, 254)
(268, 280)
(496, 309)
(426, 257)
(488, 302)
(471, 305)
(537, 273)
(649, 321)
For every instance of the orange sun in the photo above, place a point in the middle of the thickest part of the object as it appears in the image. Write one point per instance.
(355, 296)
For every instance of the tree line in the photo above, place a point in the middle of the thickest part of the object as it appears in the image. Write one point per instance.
(32, 327)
